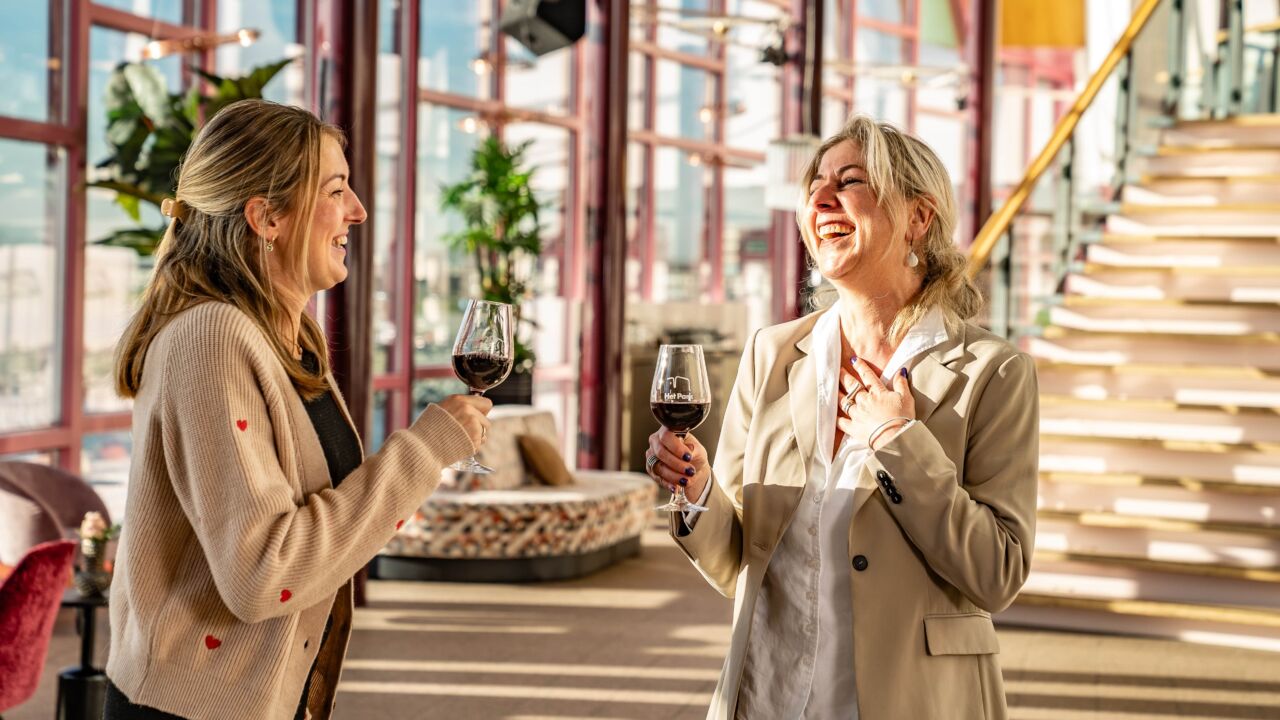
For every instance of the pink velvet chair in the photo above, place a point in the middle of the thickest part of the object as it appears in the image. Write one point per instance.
(29, 601)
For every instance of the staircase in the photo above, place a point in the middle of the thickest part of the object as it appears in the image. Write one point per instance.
(1159, 505)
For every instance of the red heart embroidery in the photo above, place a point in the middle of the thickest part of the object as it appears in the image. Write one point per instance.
(211, 642)
(285, 595)
(399, 524)
(242, 424)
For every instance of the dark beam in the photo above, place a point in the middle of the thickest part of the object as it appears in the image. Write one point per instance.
(349, 102)
(980, 54)
(600, 409)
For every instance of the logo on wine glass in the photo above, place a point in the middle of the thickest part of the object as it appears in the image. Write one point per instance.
(677, 389)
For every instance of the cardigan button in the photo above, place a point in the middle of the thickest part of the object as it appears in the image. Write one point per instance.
(882, 476)
(860, 562)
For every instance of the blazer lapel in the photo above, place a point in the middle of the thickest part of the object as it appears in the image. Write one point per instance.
(802, 384)
(932, 379)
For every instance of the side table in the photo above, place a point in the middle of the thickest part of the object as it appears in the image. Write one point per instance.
(82, 690)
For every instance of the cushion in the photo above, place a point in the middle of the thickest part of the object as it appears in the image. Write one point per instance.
(544, 461)
(542, 424)
(500, 452)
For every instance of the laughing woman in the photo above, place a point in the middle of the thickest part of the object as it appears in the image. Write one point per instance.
(866, 542)
(250, 502)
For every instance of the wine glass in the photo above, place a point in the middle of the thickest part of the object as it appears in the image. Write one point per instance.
(680, 400)
(482, 356)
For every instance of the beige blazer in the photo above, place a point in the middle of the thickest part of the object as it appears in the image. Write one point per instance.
(934, 565)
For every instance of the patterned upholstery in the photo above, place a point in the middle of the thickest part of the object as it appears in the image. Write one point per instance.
(599, 510)
(479, 518)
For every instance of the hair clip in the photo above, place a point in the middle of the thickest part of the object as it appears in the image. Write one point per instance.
(171, 208)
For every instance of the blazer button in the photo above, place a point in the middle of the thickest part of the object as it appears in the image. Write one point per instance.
(882, 476)
(859, 562)
(896, 498)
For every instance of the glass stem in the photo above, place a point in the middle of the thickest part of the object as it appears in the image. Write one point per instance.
(680, 496)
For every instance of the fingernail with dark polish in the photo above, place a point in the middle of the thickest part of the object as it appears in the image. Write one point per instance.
(853, 360)
(687, 457)
(683, 482)
(688, 471)
(904, 373)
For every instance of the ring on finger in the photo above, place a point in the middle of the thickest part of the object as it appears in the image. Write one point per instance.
(649, 462)
(846, 403)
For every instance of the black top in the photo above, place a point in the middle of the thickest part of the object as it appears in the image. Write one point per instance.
(341, 446)
(342, 453)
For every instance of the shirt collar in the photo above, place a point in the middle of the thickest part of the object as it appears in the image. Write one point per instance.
(929, 332)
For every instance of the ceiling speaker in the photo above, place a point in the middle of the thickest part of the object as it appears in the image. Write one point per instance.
(545, 25)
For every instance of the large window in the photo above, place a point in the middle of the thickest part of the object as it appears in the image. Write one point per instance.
(65, 296)
(31, 240)
(466, 82)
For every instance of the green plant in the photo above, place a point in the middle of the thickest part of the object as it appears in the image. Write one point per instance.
(501, 230)
(149, 129)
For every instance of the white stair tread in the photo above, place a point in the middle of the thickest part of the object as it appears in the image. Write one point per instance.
(1100, 457)
(1105, 616)
(1170, 319)
(1185, 254)
(1170, 503)
(1223, 163)
(1111, 582)
(1089, 383)
(1210, 192)
(1198, 222)
(1252, 131)
(1207, 426)
(1158, 285)
(1110, 350)
(1234, 550)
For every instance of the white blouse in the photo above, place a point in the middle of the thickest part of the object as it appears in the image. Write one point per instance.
(799, 663)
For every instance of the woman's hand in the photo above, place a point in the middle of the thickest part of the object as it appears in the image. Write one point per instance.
(873, 403)
(679, 462)
(471, 412)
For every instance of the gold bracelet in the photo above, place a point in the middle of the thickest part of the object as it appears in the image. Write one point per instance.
(882, 426)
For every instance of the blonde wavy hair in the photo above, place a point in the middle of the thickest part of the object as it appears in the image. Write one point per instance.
(901, 170)
(250, 149)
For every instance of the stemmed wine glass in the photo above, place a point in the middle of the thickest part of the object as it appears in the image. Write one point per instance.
(482, 356)
(680, 400)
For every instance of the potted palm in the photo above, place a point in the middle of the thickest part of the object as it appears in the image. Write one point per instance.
(502, 235)
(150, 129)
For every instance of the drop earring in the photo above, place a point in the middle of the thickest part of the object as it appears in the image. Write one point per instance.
(271, 245)
(912, 259)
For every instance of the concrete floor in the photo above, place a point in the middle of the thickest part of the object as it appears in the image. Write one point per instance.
(645, 639)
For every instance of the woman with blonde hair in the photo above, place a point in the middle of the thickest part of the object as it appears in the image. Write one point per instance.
(250, 503)
(873, 496)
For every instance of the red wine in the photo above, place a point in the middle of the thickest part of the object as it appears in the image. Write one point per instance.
(481, 371)
(680, 417)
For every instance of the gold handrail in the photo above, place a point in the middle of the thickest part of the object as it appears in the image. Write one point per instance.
(1266, 27)
(998, 224)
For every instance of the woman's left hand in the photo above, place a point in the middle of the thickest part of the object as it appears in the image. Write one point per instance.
(873, 404)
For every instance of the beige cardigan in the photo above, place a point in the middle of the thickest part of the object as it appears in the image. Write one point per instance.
(929, 562)
(236, 547)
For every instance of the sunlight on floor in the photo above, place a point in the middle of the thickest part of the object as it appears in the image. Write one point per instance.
(607, 695)
(560, 670)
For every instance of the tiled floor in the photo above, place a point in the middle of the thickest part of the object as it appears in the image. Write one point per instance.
(645, 639)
